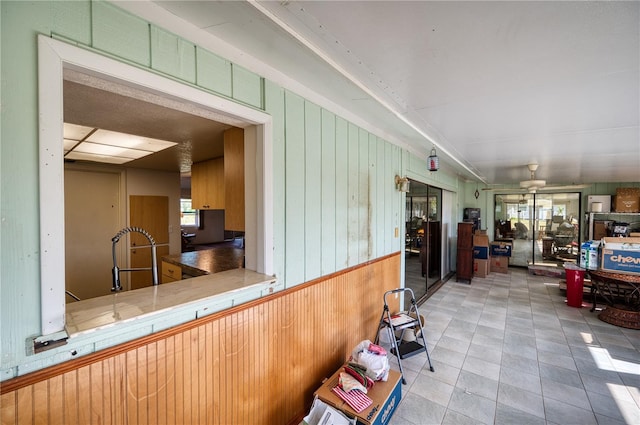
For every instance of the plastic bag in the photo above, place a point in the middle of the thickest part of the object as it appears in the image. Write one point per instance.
(377, 366)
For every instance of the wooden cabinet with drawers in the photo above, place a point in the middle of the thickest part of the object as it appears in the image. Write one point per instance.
(170, 272)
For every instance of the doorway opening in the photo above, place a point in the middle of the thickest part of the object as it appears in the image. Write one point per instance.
(423, 239)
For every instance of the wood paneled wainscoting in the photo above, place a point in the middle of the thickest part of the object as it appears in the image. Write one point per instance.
(257, 363)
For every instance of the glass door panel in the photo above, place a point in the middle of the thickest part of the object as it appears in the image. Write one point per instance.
(544, 227)
(558, 227)
(514, 222)
(423, 238)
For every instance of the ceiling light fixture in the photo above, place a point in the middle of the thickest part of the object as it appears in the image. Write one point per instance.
(97, 145)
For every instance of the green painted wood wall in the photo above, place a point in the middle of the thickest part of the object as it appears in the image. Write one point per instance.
(335, 203)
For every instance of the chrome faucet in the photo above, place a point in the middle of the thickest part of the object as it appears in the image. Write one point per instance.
(116, 270)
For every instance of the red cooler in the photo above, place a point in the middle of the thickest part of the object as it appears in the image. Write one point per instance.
(575, 284)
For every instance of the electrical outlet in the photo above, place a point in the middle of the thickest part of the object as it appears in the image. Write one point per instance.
(396, 232)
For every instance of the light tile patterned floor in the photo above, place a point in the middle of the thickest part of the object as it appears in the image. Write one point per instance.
(508, 350)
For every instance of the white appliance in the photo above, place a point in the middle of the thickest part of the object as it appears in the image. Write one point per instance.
(602, 203)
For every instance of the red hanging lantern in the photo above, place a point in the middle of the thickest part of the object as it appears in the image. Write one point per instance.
(433, 162)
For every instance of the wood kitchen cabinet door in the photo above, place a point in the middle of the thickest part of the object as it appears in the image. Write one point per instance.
(207, 184)
(150, 213)
(234, 179)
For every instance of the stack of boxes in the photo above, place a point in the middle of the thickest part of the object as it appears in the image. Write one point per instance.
(620, 253)
(490, 257)
(480, 253)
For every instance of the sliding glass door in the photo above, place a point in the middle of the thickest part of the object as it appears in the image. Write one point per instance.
(543, 227)
(423, 238)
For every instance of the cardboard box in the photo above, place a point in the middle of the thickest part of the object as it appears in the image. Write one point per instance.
(480, 232)
(385, 395)
(621, 255)
(480, 240)
(481, 252)
(627, 199)
(480, 268)
(600, 229)
(500, 249)
(499, 264)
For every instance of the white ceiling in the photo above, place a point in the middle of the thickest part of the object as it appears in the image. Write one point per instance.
(494, 85)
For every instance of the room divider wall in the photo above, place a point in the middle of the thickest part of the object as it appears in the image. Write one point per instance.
(257, 363)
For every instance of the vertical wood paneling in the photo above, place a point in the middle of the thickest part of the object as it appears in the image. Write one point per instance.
(274, 105)
(173, 55)
(191, 384)
(8, 408)
(213, 72)
(40, 398)
(170, 380)
(328, 195)
(373, 197)
(142, 393)
(313, 191)
(84, 395)
(70, 395)
(353, 184)
(25, 405)
(97, 394)
(179, 378)
(295, 171)
(152, 384)
(132, 387)
(391, 170)
(72, 19)
(120, 33)
(257, 364)
(161, 381)
(381, 227)
(202, 374)
(363, 196)
(342, 193)
(246, 86)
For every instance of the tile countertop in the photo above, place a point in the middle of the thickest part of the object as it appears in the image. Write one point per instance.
(184, 295)
(198, 263)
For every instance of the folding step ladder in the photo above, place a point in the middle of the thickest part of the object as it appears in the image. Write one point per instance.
(399, 323)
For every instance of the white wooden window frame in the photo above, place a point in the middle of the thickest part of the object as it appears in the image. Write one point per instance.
(53, 57)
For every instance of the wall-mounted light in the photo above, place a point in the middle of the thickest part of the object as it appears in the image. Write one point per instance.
(433, 163)
(402, 184)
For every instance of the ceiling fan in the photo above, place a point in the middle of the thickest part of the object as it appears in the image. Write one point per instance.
(534, 185)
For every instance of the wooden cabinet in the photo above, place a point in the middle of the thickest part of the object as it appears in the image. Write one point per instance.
(218, 184)
(170, 272)
(464, 261)
(207, 184)
(150, 213)
(234, 179)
